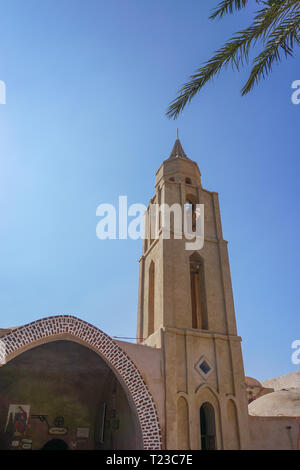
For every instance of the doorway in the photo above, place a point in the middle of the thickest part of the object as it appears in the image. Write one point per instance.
(207, 427)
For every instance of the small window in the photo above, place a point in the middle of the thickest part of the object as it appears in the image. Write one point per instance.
(172, 179)
(188, 180)
(204, 367)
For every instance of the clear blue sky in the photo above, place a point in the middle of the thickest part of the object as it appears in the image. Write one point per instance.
(88, 83)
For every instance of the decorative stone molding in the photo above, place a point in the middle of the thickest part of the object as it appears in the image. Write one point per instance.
(54, 328)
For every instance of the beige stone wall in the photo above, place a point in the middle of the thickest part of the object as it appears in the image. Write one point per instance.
(182, 350)
(149, 361)
(271, 433)
(172, 282)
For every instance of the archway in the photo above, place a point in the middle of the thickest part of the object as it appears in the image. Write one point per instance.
(66, 327)
(64, 391)
(55, 444)
(208, 427)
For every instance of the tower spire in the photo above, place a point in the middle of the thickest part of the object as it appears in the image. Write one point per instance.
(177, 150)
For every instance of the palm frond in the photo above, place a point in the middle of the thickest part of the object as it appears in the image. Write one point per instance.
(227, 6)
(275, 15)
(281, 43)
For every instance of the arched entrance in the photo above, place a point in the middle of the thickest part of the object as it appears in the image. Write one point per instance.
(129, 380)
(64, 392)
(55, 444)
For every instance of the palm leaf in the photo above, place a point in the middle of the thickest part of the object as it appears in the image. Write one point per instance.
(227, 6)
(277, 21)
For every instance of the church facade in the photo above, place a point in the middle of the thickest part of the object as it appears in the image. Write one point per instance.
(66, 384)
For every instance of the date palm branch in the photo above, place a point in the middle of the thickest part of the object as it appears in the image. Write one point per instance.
(276, 26)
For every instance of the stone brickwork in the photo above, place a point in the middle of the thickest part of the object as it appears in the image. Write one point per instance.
(52, 328)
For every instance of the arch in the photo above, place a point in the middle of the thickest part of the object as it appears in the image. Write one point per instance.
(198, 292)
(232, 431)
(182, 424)
(208, 426)
(207, 388)
(205, 393)
(191, 199)
(69, 327)
(55, 444)
(191, 211)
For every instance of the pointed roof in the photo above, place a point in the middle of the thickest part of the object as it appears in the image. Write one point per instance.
(177, 150)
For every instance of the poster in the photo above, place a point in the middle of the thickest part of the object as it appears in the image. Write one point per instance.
(17, 419)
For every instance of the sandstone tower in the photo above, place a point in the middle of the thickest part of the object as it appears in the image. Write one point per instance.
(186, 308)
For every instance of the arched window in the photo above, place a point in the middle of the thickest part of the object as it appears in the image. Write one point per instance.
(151, 294)
(153, 220)
(145, 245)
(146, 230)
(159, 204)
(188, 180)
(208, 427)
(190, 205)
(198, 294)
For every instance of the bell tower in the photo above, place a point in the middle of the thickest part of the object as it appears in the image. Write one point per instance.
(186, 308)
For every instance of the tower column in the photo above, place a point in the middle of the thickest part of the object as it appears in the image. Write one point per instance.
(189, 294)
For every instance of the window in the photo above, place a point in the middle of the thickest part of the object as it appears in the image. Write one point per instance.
(159, 204)
(198, 295)
(204, 367)
(151, 294)
(188, 180)
(190, 206)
